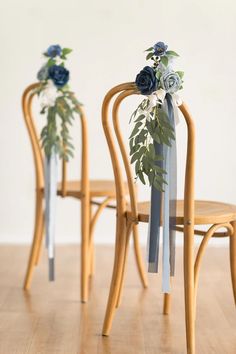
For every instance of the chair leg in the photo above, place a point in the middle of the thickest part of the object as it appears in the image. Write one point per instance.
(167, 301)
(91, 241)
(166, 304)
(40, 244)
(117, 274)
(189, 292)
(92, 259)
(93, 219)
(138, 257)
(233, 259)
(36, 240)
(85, 259)
(127, 239)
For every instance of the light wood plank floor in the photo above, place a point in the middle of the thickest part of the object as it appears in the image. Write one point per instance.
(50, 319)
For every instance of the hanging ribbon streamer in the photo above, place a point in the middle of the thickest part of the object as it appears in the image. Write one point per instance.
(50, 209)
(165, 207)
(155, 221)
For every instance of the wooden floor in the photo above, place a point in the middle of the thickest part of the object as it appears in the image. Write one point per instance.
(50, 319)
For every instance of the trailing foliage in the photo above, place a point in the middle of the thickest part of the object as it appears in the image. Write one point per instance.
(58, 103)
(152, 128)
(142, 151)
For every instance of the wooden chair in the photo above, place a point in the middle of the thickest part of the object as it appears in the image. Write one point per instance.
(190, 213)
(85, 190)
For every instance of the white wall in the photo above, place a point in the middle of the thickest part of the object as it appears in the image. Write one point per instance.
(108, 38)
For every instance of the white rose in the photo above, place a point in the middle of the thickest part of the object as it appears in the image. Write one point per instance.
(49, 95)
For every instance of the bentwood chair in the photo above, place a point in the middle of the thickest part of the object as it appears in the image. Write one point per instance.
(190, 214)
(85, 190)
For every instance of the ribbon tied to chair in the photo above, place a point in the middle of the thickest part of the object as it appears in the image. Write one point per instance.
(50, 168)
(163, 204)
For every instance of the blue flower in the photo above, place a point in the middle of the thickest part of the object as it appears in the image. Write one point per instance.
(171, 82)
(146, 80)
(160, 49)
(43, 73)
(59, 75)
(54, 50)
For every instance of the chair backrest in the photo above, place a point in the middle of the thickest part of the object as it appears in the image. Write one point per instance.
(123, 91)
(27, 99)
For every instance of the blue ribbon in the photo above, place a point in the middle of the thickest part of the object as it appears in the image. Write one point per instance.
(168, 209)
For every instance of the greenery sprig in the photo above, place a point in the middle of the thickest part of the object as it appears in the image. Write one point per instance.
(142, 151)
(58, 102)
(152, 126)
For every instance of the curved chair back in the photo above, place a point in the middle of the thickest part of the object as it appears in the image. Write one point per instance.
(38, 154)
(122, 91)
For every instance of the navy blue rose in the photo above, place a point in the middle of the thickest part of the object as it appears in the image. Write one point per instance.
(59, 75)
(146, 81)
(160, 49)
(54, 50)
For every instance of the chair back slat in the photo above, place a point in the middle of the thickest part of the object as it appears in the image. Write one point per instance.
(84, 154)
(123, 91)
(125, 156)
(35, 143)
(189, 169)
(119, 181)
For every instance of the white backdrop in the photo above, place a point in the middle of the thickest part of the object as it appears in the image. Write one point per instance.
(108, 38)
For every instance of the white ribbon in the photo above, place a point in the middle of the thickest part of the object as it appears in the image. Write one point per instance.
(50, 208)
(159, 97)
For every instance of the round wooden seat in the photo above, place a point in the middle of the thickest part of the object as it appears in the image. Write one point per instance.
(206, 212)
(98, 188)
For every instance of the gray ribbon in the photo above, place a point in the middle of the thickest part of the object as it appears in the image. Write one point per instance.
(169, 209)
(155, 221)
(50, 171)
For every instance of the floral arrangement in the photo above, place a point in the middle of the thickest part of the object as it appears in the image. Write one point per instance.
(58, 102)
(152, 125)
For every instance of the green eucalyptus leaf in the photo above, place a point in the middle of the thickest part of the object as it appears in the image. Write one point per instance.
(172, 53)
(137, 166)
(149, 49)
(134, 149)
(131, 142)
(51, 62)
(66, 51)
(158, 74)
(141, 177)
(145, 162)
(164, 60)
(141, 117)
(152, 151)
(136, 140)
(142, 150)
(149, 56)
(159, 158)
(135, 157)
(158, 185)
(135, 130)
(181, 74)
(159, 169)
(151, 177)
(69, 152)
(156, 138)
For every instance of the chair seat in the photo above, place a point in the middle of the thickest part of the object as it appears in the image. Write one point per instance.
(206, 212)
(98, 188)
